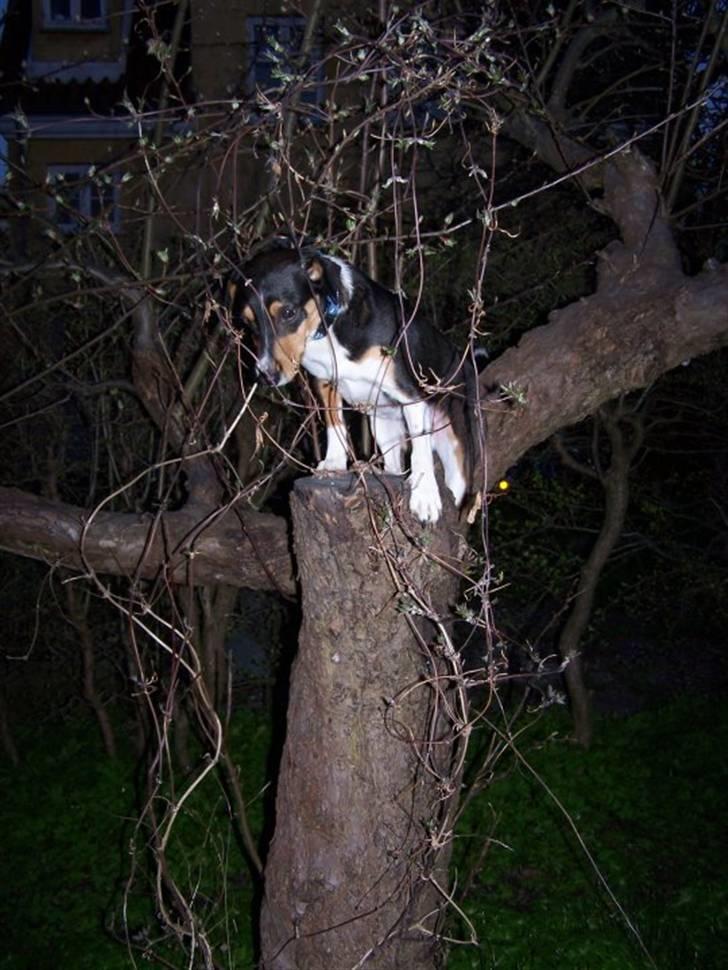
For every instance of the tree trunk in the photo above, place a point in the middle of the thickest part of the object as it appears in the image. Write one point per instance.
(615, 482)
(79, 619)
(355, 874)
(580, 700)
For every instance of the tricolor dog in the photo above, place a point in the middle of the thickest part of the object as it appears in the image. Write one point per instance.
(363, 346)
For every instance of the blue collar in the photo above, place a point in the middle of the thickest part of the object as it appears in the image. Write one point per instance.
(332, 311)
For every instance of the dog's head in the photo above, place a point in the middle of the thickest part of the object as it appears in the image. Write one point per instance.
(281, 296)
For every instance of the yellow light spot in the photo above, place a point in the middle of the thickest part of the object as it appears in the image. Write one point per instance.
(503, 485)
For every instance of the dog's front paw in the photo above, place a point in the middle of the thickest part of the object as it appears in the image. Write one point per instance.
(334, 464)
(425, 503)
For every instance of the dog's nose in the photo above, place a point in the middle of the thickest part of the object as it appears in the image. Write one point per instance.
(268, 373)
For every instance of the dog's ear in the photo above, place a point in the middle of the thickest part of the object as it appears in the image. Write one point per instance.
(330, 277)
(315, 271)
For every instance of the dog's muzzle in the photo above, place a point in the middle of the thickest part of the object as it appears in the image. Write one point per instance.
(269, 375)
(269, 371)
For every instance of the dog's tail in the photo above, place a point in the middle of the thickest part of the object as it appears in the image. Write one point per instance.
(475, 430)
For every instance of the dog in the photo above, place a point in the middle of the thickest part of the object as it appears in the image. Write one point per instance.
(363, 346)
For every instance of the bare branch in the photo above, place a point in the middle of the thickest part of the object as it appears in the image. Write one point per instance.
(237, 548)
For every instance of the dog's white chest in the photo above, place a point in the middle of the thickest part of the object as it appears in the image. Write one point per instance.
(360, 382)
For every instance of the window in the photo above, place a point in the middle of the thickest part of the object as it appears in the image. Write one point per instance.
(274, 46)
(80, 194)
(75, 14)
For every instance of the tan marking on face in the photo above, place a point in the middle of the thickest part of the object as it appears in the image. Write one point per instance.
(274, 308)
(315, 270)
(288, 349)
(331, 400)
(248, 313)
(232, 289)
(313, 317)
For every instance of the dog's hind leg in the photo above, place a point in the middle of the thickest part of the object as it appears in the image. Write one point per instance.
(450, 451)
(425, 501)
(337, 438)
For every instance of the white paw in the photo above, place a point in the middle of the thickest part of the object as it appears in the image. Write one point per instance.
(333, 464)
(336, 457)
(425, 503)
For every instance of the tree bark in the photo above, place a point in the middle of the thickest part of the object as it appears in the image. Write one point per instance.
(615, 482)
(193, 545)
(352, 874)
(79, 618)
(620, 339)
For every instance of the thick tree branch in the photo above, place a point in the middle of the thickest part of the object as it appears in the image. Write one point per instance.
(591, 351)
(237, 548)
(645, 317)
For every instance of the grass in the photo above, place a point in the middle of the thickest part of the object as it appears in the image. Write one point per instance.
(63, 815)
(649, 801)
(67, 817)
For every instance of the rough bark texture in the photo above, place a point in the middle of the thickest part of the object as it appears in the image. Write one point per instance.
(349, 878)
(237, 548)
(621, 339)
(644, 318)
(595, 350)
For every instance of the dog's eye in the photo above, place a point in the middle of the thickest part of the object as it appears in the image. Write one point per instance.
(288, 312)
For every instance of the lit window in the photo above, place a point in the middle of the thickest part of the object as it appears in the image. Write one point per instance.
(274, 45)
(80, 195)
(75, 14)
